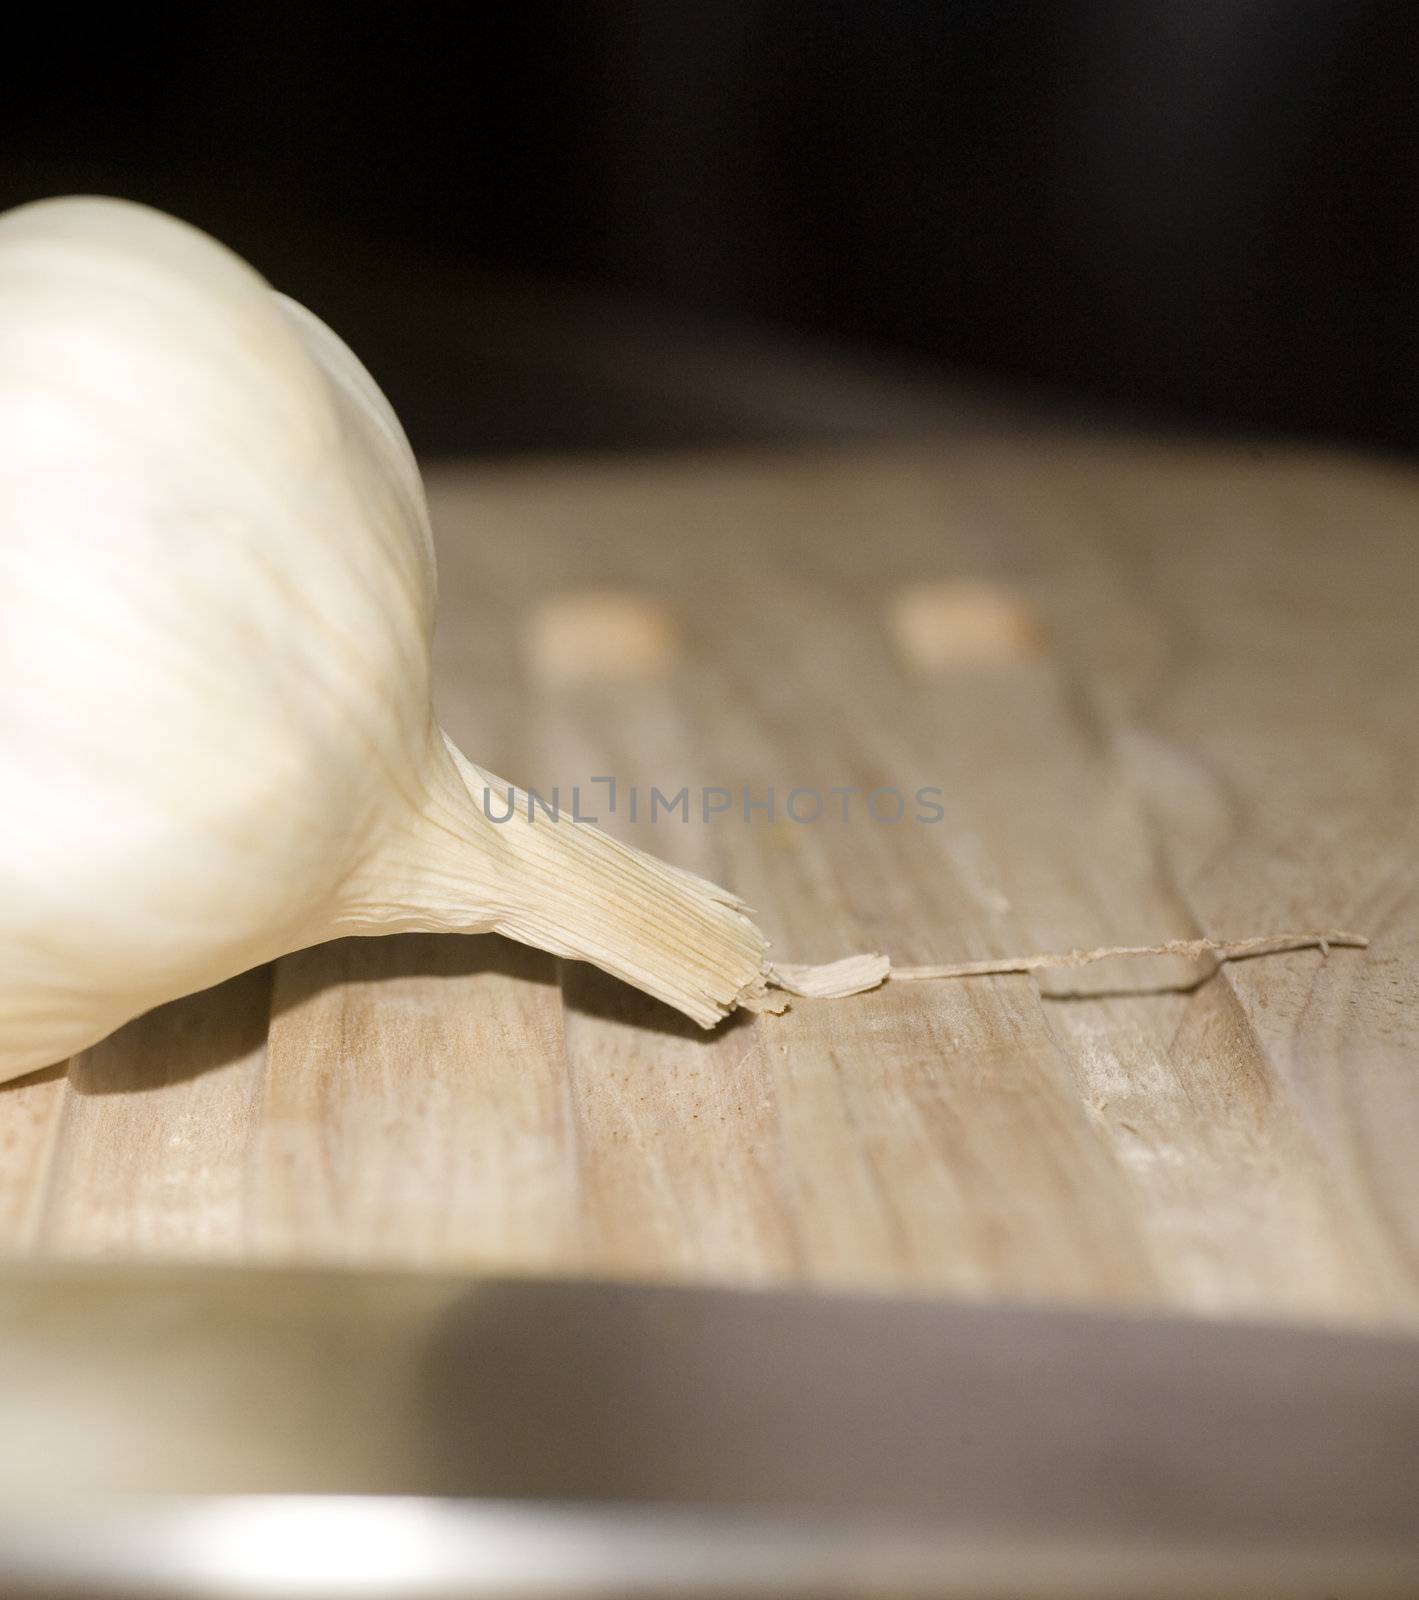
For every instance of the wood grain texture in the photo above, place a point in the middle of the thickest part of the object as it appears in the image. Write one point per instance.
(1176, 695)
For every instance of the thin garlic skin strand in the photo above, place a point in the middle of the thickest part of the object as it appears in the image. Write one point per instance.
(217, 743)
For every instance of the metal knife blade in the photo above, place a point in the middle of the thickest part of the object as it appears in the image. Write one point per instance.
(832, 1434)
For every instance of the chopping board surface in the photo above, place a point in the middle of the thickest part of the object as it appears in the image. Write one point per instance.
(1154, 693)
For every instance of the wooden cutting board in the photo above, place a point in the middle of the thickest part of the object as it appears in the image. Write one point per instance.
(1163, 692)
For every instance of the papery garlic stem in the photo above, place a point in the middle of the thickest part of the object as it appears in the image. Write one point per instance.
(572, 890)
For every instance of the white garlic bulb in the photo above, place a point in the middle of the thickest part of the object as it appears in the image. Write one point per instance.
(216, 603)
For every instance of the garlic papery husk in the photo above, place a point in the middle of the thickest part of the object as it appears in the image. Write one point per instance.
(216, 606)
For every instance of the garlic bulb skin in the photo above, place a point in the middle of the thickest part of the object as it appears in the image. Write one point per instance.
(214, 621)
(216, 605)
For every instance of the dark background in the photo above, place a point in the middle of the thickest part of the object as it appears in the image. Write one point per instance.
(1199, 213)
